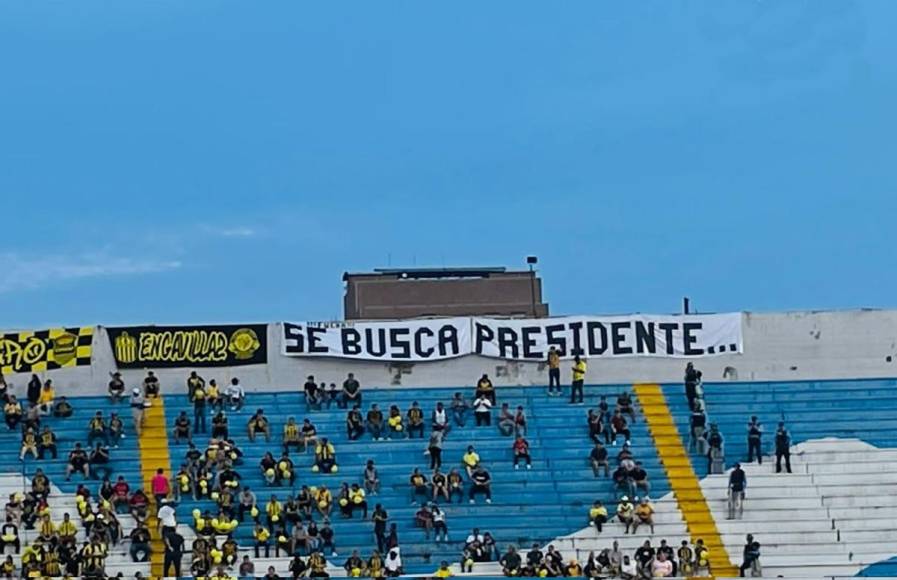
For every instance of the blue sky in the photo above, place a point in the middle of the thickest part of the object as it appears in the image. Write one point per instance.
(214, 161)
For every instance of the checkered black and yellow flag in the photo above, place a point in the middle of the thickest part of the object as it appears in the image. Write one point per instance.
(34, 351)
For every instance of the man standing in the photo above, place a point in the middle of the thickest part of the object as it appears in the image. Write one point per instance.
(174, 551)
(138, 402)
(351, 392)
(554, 371)
(579, 377)
(737, 485)
(692, 378)
(754, 436)
(783, 448)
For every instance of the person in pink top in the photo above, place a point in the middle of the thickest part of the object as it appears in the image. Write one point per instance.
(161, 486)
(662, 567)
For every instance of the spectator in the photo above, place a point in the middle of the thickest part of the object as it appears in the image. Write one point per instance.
(754, 437)
(394, 422)
(247, 568)
(440, 485)
(702, 558)
(198, 397)
(47, 443)
(443, 571)
(697, 424)
(434, 448)
(333, 396)
(13, 411)
(480, 482)
(510, 562)
(751, 558)
(644, 515)
(572, 569)
(351, 392)
(625, 405)
(521, 451)
(554, 371)
(482, 410)
(439, 420)
(459, 409)
(4, 388)
(174, 550)
(116, 429)
(97, 429)
(783, 448)
(220, 428)
(506, 420)
(310, 390)
(625, 513)
(357, 501)
(150, 385)
(715, 454)
(34, 388)
(692, 378)
(640, 478)
(456, 485)
(439, 526)
(686, 559)
(63, 408)
(182, 428)
(579, 377)
(99, 462)
(520, 421)
(258, 423)
(393, 563)
(662, 567)
(235, 395)
(737, 486)
(418, 482)
(484, 387)
(194, 381)
(595, 425)
(470, 460)
(598, 515)
(325, 457)
(354, 424)
(261, 536)
(380, 518)
(621, 427)
(643, 558)
(371, 478)
(292, 436)
(375, 422)
(29, 444)
(140, 544)
(116, 387)
(415, 421)
(423, 518)
(137, 403)
(160, 486)
(598, 459)
(77, 462)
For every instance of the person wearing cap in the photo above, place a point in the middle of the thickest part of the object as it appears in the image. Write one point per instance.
(138, 406)
(116, 387)
(644, 515)
(625, 512)
(737, 485)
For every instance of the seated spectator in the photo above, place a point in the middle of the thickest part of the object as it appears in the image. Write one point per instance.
(482, 411)
(116, 387)
(151, 387)
(375, 422)
(440, 486)
(120, 493)
(480, 482)
(285, 470)
(325, 457)
(423, 518)
(292, 436)
(439, 420)
(47, 396)
(393, 563)
(357, 501)
(351, 394)
(418, 483)
(261, 536)
(140, 544)
(440, 528)
(533, 561)
(640, 478)
(470, 460)
(258, 423)
(99, 462)
(621, 427)
(625, 405)
(573, 569)
(625, 513)
(506, 422)
(702, 558)
(13, 412)
(138, 505)
(312, 398)
(63, 409)
(644, 515)
(395, 423)
(323, 501)
(96, 429)
(78, 461)
(521, 451)
(415, 421)
(520, 421)
(598, 515)
(220, 425)
(456, 485)
(354, 424)
(628, 571)
(182, 428)
(116, 429)
(234, 395)
(596, 426)
(371, 478)
(623, 480)
(485, 388)
(29, 444)
(459, 409)
(9, 536)
(510, 561)
(598, 459)
(643, 558)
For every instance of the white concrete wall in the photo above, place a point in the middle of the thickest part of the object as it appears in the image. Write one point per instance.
(777, 346)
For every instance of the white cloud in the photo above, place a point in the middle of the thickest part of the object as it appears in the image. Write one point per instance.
(229, 232)
(21, 272)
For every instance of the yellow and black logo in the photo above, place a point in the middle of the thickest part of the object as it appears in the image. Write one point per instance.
(243, 343)
(125, 348)
(65, 348)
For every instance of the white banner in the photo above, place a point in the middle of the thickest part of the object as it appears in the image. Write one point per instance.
(401, 340)
(685, 336)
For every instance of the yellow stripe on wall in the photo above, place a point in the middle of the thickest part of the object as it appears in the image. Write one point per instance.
(683, 479)
(154, 454)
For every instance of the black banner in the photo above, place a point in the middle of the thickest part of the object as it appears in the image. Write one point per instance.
(189, 346)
